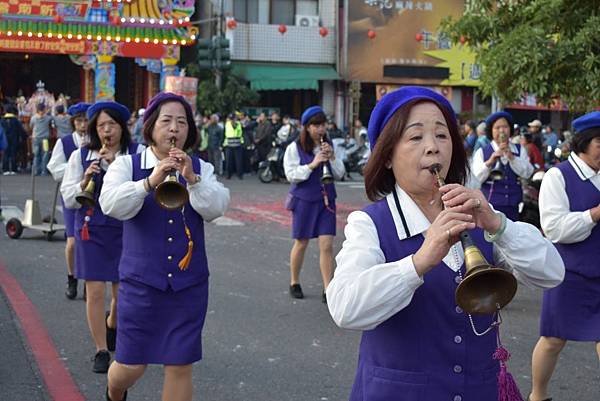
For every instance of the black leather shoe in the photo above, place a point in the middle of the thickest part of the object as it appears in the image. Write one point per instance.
(545, 399)
(111, 335)
(101, 361)
(296, 291)
(109, 399)
(71, 292)
(324, 297)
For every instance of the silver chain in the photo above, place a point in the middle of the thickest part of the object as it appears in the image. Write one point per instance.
(498, 319)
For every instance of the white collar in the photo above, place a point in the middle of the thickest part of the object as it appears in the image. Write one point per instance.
(79, 140)
(417, 223)
(584, 171)
(149, 159)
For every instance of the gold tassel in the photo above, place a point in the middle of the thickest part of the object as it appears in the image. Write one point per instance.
(185, 262)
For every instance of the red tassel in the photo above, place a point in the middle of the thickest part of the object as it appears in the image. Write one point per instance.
(507, 387)
(85, 234)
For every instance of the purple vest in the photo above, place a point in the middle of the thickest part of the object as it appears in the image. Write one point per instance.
(154, 241)
(98, 218)
(310, 190)
(68, 145)
(581, 257)
(427, 351)
(505, 192)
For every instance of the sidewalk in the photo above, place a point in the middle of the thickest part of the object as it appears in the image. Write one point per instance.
(19, 378)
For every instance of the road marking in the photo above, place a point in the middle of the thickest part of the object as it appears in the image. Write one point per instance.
(226, 221)
(58, 380)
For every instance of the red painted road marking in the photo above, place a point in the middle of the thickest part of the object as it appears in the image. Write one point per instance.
(58, 380)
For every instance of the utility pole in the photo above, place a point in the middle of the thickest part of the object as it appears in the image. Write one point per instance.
(220, 25)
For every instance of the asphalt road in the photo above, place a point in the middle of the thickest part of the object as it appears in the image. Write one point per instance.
(259, 344)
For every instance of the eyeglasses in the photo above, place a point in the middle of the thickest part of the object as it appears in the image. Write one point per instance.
(106, 124)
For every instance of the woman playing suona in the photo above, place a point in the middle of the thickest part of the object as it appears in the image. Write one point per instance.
(58, 163)
(97, 236)
(569, 212)
(163, 293)
(401, 261)
(312, 197)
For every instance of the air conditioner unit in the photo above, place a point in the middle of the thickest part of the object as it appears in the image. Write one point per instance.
(307, 20)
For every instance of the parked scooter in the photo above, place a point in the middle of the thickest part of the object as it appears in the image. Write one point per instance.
(272, 167)
(529, 208)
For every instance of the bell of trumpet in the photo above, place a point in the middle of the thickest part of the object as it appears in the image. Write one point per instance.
(485, 288)
(326, 177)
(171, 194)
(496, 174)
(86, 197)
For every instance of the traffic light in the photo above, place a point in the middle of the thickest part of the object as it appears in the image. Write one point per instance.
(222, 54)
(205, 53)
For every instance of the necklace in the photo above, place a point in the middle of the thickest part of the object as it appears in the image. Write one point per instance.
(497, 320)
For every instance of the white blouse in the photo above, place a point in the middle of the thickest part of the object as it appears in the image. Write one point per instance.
(519, 164)
(58, 162)
(70, 186)
(558, 222)
(366, 291)
(123, 198)
(296, 173)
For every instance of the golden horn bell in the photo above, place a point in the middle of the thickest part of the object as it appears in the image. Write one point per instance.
(171, 194)
(485, 288)
(86, 197)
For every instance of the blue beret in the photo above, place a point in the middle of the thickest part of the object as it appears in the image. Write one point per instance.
(121, 110)
(309, 113)
(390, 103)
(587, 121)
(163, 97)
(79, 108)
(491, 119)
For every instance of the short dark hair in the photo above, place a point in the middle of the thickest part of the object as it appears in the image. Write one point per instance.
(581, 141)
(192, 135)
(306, 143)
(488, 128)
(380, 181)
(94, 142)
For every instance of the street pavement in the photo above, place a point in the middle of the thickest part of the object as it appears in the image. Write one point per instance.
(259, 344)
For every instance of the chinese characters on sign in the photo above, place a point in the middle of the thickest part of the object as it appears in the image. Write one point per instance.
(401, 5)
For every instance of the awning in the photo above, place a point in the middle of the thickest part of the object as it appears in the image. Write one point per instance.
(284, 76)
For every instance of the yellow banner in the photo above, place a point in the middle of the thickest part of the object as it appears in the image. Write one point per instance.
(42, 46)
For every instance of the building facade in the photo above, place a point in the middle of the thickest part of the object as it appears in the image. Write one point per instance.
(92, 50)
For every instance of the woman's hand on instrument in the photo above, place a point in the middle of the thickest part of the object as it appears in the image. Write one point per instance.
(327, 150)
(319, 158)
(184, 164)
(93, 168)
(472, 202)
(161, 171)
(107, 154)
(441, 235)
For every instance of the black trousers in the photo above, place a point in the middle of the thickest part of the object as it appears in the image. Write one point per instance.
(234, 159)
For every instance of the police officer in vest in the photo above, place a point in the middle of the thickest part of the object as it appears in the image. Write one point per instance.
(570, 211)
(234, 151)
(499, 165)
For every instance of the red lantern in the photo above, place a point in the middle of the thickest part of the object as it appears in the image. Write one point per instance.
(282, 29)
(58, 19)
(371, 34)
(116, 20)
(419, 37)
(462, 40)
(323, 31)
(232, 24)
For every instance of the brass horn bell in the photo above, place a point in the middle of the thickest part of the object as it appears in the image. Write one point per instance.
(171, 194)
(86, 197)
(485, 288)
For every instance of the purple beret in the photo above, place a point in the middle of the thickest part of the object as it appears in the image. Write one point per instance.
(79, 108)
(587, 121)
(492, 118)
(390, 103)
(310, 113)
(163, 97)
(97, 107)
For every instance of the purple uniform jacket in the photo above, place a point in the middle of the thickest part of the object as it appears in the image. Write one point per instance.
(427, 351)
(310, 190)
(581, 257)
(69, 146)
(154, 242)
(505, 192)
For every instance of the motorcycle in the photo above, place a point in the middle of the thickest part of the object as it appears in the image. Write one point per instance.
(272, 167)
(529, 209)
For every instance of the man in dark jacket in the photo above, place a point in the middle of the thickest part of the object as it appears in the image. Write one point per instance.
(15, 135)
(215, 140)
(263, 137)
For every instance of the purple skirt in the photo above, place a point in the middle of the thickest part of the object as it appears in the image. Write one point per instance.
(571, 310)
(97, 259)
(160, 327)
(312, 219)
(69, 218)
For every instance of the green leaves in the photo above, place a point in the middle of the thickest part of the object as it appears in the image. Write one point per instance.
(550, 48)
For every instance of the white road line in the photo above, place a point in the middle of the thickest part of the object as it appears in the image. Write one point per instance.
(226, 221)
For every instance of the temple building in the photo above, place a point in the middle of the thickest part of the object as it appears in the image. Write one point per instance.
(92, 50)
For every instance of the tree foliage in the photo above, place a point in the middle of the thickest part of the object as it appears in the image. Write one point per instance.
(550, 48)
(234, 93)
